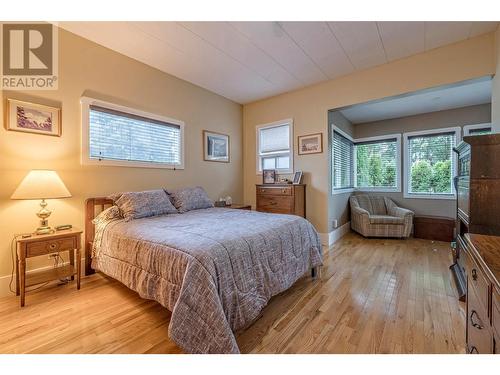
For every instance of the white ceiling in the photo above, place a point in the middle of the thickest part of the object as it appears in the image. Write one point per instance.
(247, 61)
(430, 100)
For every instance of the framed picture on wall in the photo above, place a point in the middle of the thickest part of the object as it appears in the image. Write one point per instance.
(33, 118)
(215, 146)
(310, 144)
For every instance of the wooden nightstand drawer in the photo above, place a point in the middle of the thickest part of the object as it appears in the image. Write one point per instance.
(276, 190)
(50, 246)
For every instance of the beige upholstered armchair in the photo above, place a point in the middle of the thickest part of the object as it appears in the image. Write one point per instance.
(375, 216)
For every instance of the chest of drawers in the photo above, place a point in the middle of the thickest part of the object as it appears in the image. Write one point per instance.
(482, 268)
(282, 199)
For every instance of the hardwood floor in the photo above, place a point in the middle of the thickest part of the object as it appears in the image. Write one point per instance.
(374, 296)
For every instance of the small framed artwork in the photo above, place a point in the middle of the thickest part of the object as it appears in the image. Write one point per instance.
(215, 146)
(268, 176)
(310, 144)
(297, 178)
(33, 118)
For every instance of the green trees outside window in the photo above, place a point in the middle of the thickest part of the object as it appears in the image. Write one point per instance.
(431, 164)
(376, 164)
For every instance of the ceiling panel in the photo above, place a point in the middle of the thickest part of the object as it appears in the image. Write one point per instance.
(248, 61)
(479, 28)
(438, 34)
(320, 44)
(361, 41)
(222, 36)
(272, 39)
(402, 39)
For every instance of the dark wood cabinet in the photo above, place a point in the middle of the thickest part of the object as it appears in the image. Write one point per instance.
(282, 199)
(478, 195)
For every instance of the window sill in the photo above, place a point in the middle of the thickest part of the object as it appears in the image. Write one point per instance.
(430, 196)
(342, 191)
(378, 190)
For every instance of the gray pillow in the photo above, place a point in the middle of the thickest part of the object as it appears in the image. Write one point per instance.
(134, 205)
(189, 199)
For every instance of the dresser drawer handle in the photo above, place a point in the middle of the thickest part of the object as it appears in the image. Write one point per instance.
(473, 350)
(474, 324)
(52, 246)
(474, 274)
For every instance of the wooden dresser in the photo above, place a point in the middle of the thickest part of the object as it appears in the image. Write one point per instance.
(482, 269)
(282, 199)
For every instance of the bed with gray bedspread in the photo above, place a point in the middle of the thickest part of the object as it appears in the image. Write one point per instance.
(215, 269)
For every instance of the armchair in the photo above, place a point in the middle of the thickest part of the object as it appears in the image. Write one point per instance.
(375, 216)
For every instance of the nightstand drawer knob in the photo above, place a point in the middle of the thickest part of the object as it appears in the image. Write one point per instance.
(52, 246)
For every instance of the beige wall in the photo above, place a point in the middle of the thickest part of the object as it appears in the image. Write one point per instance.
(309, 107)
(88, 69)
(443, 119)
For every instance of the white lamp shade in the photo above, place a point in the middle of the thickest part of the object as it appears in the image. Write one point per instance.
(41, 184)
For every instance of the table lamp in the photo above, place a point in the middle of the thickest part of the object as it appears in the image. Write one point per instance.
(41, 184)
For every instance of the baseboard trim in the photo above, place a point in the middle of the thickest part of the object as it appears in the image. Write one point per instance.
(328, 239)
(5, 280)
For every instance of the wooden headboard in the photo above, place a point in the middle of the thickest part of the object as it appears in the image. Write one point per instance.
(93, 207)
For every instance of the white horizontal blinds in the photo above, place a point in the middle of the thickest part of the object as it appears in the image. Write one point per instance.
(376, 165)
(116, 135)
(275, 139)
(343, 162)
(431, 163)
(274, 147)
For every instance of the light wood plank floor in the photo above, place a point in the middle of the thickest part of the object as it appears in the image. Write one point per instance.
(374, 296)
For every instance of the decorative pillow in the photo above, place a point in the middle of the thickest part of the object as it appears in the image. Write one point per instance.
(189, 199)
(134, 205)
(108, 214)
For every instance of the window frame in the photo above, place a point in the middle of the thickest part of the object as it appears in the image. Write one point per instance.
(86, 102)
(468, 128)
(407, 169)
(396, 189)
(274, 124)
(345, 135)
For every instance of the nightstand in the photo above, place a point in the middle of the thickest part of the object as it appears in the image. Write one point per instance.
(45, 244)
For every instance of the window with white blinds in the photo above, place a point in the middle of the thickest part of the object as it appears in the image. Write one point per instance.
(121, 137)
(274, 147)
(430, 163)
(342, 162)
(377, 166)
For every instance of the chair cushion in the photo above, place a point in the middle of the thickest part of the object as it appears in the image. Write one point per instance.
(375, 205)
(385, 219)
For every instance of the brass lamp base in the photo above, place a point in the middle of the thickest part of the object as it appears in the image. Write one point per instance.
(43, 214)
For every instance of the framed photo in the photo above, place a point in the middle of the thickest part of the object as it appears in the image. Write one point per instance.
(268, 176)
(215, 146)
(310, 144)
(297, 178)
(33, 118)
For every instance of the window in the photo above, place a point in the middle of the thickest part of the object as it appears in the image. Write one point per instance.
(430, 163)
(274, 147)
(342, 161)
(116, 135)
(377, 163)
(477, 129)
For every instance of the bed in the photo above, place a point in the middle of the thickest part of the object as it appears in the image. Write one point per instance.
(215, 269)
